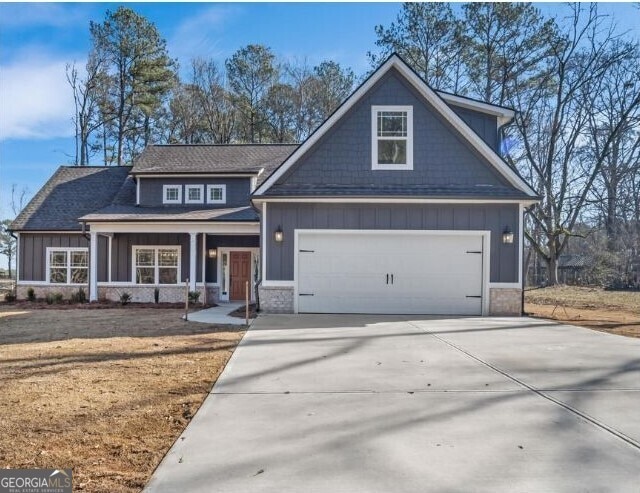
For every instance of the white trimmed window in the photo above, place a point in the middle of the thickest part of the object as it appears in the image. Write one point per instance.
(194, 194)
(172, 194)
(67, 265)
(156, 265)
(216, 194)
(392, 137)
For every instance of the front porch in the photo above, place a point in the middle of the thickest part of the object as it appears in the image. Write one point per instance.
(214, 259)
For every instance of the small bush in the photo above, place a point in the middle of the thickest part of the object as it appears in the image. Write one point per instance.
(194, 296)
(49, 299)
(79, 296)
(58, 298)
(125, 298)
(156, 295)
(9, 297)
(31, 294)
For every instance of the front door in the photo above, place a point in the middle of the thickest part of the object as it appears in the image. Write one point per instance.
(239, 274)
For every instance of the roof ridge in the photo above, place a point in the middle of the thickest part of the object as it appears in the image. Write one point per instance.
(239, 144)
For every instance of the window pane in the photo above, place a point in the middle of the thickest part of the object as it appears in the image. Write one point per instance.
(216, 193)
(58, 259)
(145, 257)
(225, 259)
(168, 275)
(392, 124)
(79, 275)
(194, 194)
(168, 257)
(172, 193)
(79, 259)
(58, 275)
(392, 152)
(144, 275)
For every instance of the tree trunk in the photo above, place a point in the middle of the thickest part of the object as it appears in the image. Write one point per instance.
(552, 269)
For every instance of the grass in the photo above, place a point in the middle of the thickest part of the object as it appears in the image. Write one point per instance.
(105, 392)
(616, 312)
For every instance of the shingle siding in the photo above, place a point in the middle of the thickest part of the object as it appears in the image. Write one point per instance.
(280, 256)
(343, 155)
(486, 126)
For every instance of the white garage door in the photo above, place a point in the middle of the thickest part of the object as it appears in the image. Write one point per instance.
(390, 272)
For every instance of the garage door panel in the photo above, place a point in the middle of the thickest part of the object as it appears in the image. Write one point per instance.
(393, 272)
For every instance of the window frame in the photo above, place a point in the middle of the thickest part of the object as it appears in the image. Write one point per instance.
(166, 188)
(187, 188)
(68, 266)
(375, 138)
(223, 187)
(156, 264)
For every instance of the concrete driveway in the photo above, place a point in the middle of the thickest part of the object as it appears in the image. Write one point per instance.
(328, 403)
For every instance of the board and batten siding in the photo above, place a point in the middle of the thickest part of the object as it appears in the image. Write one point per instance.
(441, 156)
(485, 217)
(33, 253)
(228, 241)
(237, 190)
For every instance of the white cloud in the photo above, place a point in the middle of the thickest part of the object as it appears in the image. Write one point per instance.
(20, 15)
(200, 34)
(35, 98)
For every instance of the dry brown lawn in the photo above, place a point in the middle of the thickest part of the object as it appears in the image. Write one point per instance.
(105, 392)
(616, 312)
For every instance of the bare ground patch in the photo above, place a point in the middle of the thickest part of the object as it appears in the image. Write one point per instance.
(616, 312)
(105, 392)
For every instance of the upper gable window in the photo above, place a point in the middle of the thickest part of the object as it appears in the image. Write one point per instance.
(194, 194)
(171, 194)
(392, 137)
(216, 194)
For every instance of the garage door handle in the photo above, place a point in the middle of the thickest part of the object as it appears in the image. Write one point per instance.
(305, 294)
(474, 251)
(306, 251)
(391, 278)
(474, 296)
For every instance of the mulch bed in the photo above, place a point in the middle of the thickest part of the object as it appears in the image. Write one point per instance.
(98, 305)
(240, 312)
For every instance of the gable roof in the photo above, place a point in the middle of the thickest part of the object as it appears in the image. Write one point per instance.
(436, 100)
(212, 158)
(71, 192)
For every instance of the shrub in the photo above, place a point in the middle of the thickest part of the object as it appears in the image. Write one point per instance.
(31, 294)
(9, 297)
(194, 296)
(79, 296)
(125, 298)
(58, 298)
(156, 295)
(49, 299)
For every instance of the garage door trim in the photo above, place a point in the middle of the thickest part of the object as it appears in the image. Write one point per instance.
(486, 245)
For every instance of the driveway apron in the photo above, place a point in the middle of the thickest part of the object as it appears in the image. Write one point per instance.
(356, 403)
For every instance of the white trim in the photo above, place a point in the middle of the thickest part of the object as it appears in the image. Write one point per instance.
(68, 250)
(109, 253)
(45, 284)
(168, 187)
(279, 284)
(17, 256)
(242, 228)
(187, 200)
(375, 138)
(435, 100)
(156, 267)
(520, 244)
(204, 259)
(254, 183)
(484, 234)
(255, 252)
(193, 250)
(263, 243)
(50, 232)
(138, 191)
(504, 115)
(389, 200)
(222, 186)
(194, 175)
(505, 285)
(93, 266)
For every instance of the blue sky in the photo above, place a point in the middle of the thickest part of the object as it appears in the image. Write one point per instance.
(37, 40)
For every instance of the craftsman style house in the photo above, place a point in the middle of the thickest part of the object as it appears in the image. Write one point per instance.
(398, 203)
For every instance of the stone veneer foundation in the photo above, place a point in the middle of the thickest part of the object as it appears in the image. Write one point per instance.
(276, 299)
(505, 302)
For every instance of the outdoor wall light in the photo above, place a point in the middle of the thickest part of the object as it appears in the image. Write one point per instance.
(507, 235)
(278, 235)
(213, 252)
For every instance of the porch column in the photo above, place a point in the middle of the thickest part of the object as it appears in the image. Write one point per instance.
(93, 266)
(193, 248)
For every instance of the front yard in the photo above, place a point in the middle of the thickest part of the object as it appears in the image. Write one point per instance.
(105, 392)
(616, 312)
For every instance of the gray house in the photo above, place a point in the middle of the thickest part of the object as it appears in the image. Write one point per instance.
(398, 203)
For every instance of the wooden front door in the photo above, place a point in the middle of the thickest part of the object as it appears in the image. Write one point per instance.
(239, 274)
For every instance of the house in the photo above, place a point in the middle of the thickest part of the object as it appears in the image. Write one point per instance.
(398, 203)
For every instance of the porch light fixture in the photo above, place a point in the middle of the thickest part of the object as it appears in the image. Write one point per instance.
(213, 252)
(278, 235)
(507, 235)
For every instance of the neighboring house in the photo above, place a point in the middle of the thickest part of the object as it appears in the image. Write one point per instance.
(398, 203)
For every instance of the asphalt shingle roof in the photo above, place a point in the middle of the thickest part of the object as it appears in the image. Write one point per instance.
(210, 158)
(71, 192)
(134, 213)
